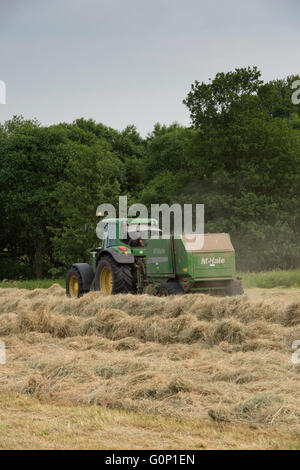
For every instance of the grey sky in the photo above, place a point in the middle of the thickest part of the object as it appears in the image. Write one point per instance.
(133, 61)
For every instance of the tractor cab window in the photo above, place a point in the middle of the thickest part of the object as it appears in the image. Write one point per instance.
(109, 235)
(138, 234)
(104, 237)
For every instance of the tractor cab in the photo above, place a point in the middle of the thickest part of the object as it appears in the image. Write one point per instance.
(134, 233)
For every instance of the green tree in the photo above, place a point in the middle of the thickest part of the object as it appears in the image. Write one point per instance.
(92, 176)
(31, 162)
(127, 145)
(245, 164)
(284, 106)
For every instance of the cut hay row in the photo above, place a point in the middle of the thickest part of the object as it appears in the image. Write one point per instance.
(224, 359)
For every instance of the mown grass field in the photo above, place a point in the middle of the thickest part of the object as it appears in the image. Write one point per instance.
(29, 423)
(130, 371)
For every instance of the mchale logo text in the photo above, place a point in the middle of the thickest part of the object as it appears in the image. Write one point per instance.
(212, 260)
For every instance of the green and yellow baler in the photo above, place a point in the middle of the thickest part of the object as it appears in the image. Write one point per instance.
(156, 265)
(200, 263)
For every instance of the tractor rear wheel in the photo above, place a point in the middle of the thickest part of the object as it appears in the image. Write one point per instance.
(74, 284)
(113, 278)
(170, 288)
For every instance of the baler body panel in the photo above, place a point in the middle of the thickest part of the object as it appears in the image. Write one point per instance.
(212, 265)
(159, 260)
(207, 257)
(210, 256)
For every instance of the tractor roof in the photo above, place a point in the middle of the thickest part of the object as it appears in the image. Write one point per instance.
(131, 220)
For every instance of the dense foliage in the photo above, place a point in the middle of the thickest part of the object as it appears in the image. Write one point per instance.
(240, 157)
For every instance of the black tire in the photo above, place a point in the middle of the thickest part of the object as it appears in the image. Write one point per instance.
(235, 288)
(170, 288)
(73, 278)
(122, 276)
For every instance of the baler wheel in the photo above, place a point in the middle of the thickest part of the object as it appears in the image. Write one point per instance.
(234, 289)
(170, 288)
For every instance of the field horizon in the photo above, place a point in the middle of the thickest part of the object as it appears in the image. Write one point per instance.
(279, 278)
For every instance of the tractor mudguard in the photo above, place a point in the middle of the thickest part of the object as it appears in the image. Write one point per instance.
(121, 258)
(87, 275)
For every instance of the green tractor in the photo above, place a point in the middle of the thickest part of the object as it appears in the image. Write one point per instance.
(146, 263)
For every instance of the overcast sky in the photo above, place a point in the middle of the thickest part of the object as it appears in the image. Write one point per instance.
(133, 61)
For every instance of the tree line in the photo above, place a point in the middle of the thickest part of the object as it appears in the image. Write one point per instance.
(240, 157)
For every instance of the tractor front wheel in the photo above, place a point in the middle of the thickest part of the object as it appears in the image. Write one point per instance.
(113, 278)
(74, 284)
